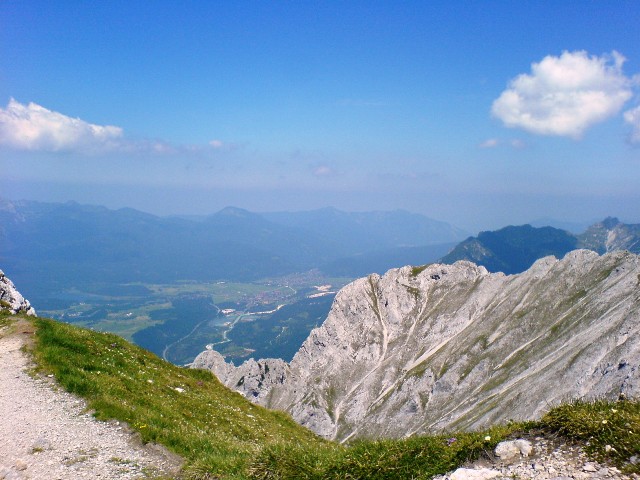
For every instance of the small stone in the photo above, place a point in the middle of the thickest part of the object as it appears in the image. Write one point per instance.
(513, 448)
(635, 460)
(471, 474)
(41, 444)
(13, 475)
(20, 465)
(538, 467)
(525, 447)
(589, 467)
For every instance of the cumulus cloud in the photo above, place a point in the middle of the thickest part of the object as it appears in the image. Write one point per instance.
(33, 127)
(632, 117)
(565, 95)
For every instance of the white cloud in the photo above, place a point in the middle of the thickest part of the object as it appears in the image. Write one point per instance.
(323, 171)
(495, 142)
(632, 117)
(490, 143)
(216, 144)
(32, 127)
(565, 95)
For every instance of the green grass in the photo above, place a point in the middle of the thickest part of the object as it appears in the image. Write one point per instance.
(412, 458)
(221, 435)
(415, 271)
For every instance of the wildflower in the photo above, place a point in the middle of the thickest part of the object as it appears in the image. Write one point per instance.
(604, 422)
(451, 440)
(614, 410)
(487, 438)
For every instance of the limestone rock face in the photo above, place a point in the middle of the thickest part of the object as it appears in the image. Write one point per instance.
(10, 298)
(455, 347)
(253, 379)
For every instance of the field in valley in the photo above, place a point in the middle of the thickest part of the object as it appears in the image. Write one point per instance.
(178, 320)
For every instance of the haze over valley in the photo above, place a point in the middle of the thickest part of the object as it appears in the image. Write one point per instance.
(245, 284)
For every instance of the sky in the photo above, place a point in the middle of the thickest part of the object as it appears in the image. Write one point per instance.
(481, 114)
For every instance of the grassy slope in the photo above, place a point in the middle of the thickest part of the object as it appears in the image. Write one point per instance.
(214, 429)
(221, 435)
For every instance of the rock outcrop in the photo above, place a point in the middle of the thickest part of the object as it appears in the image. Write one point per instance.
(453, 346)
(11, 300)
(253, 379)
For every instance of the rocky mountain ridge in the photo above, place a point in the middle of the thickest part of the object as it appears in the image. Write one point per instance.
(11, 300)
(422, 349)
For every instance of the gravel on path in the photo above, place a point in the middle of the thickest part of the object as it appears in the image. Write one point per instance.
(47, 433)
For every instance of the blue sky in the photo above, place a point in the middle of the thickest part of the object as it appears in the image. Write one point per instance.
(482, 114)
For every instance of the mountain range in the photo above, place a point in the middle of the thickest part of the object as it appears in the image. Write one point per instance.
(47, 245)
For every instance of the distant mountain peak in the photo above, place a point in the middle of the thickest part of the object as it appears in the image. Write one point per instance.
(234, 212)
(610, 222)
(513, 249)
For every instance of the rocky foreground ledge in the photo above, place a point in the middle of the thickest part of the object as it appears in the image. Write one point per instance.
(538, 458)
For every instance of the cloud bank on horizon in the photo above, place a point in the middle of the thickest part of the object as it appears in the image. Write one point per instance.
(566, 95)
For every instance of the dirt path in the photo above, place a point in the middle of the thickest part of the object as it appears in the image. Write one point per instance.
(45, 433)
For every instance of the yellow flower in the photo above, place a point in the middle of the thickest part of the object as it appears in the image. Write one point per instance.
(487, 438)
(604, 422)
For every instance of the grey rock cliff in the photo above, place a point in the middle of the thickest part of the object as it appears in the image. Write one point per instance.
(453, 346)
(253, 379)
(10, 298)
